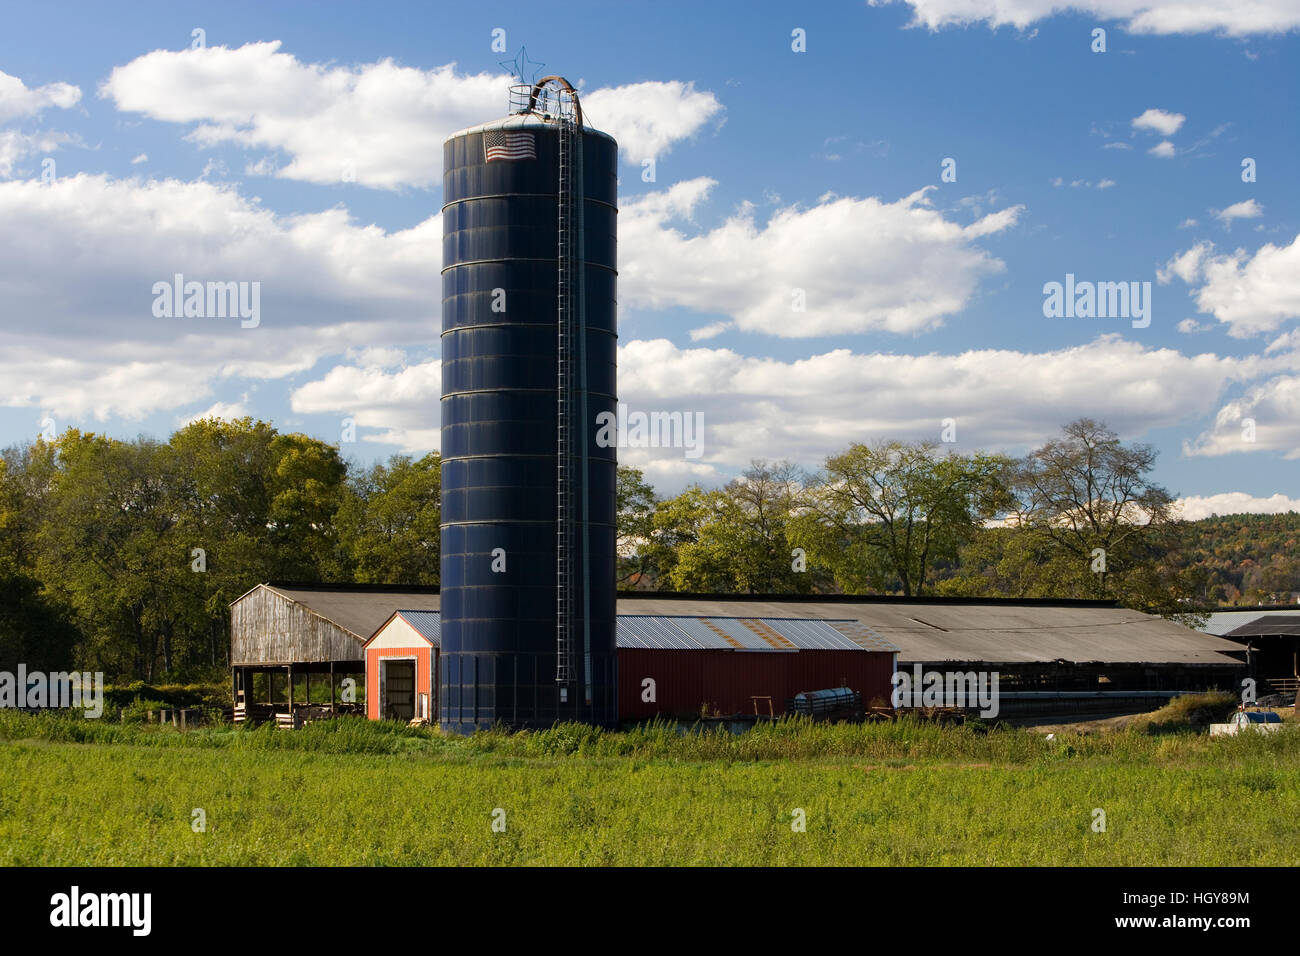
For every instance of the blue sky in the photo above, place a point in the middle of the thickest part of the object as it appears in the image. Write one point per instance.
(299, 148)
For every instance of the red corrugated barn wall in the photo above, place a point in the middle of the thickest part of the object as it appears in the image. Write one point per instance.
(685, 681)
(424, 667)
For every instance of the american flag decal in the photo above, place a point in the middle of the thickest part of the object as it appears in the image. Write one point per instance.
(499, 144)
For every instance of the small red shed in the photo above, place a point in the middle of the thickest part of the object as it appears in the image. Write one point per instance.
(401, 661)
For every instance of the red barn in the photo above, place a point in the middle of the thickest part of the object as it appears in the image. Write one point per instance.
(681, 666)
(671, 666)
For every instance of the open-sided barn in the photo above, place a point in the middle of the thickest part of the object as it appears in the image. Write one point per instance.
(291, 633)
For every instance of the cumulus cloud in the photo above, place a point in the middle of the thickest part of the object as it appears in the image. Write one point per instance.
(377, 124)
(85, 252)
(1266, 418)
(854, 265)
(811, 407)
(16, 146)
(223, 410)
(393, 406)
(1195, 507)
(18, 100)
(647, 118)
(1138, 16)
(1164, 150)
(1160, 121)
(1251, 294)
(1247, 209)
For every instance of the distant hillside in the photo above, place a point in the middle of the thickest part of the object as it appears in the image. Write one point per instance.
(1244, 559)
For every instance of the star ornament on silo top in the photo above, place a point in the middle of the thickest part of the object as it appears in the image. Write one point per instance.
(519, 67)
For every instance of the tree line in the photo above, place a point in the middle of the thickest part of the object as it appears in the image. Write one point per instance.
(123, 556)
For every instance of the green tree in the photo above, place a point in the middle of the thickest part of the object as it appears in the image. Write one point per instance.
(888, 513)
(34, 629)
(389, 522)
(108, 548)
(635, 509)
(732, 539)
(1091, 498)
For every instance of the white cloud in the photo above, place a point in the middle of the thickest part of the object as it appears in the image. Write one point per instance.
(1252, 294)
(378, 124)
(1191, 326)
(1247, 209)
(1186, 265)
(1083, 183)
(223, 410)
(1164, 150)
(16, 146)
(399, 407)
(861, 264)
(84, 253)
(141, 158)
(1160, 121)
(1188, 223)
(710, 331)
(647, 118)
(1274, 410)
(1138, 16)
(808, 408)
(1195, 507)
(18, 100)
(1117, 145)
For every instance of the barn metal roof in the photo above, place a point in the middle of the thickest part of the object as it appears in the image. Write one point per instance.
(996, 632)
(680, 632)
(362, 612)
(926, 632)
(1221, 622)
(428, 624)
(1269, 625)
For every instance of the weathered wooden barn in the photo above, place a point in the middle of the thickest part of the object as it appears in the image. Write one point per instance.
(294, 633)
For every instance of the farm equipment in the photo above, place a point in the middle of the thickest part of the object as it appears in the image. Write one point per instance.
(836, 703)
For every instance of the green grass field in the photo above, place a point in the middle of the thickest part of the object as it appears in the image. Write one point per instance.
(350, 792)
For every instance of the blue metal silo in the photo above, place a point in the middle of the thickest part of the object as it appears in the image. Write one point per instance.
(528, 363)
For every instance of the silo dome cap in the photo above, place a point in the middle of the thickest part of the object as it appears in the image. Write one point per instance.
(522, 121)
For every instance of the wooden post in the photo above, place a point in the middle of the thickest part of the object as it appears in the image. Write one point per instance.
(331, 687)
(270, 689)
(290, 688)
(183, 712)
